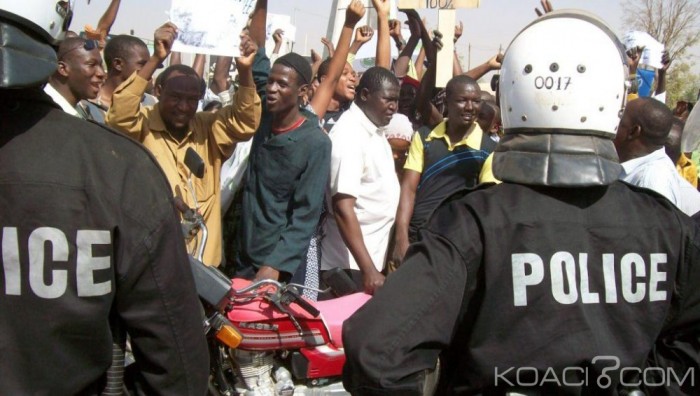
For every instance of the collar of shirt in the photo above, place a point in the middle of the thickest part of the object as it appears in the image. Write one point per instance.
(629, 166)
(684, 162)
(472, 140)
(61, 101)
(365, 122)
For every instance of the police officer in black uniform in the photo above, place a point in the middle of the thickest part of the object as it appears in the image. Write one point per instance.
(89, 238)
(561, 280)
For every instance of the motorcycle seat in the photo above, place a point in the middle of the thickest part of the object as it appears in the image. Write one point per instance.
(334, 312)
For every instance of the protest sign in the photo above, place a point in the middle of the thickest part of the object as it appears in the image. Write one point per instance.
(653, 50)
(210, 26)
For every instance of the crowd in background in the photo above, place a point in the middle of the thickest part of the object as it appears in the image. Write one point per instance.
(311, 166)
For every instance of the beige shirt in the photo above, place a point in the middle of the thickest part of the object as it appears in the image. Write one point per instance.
(212, 136)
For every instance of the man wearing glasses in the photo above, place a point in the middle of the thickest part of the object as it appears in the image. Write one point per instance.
(79, 75)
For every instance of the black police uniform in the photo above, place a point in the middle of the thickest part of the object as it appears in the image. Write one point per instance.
(539, 289)
(88, 231)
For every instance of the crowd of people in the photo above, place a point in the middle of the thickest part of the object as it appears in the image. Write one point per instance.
(445, 203)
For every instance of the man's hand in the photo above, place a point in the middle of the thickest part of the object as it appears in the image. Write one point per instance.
(277, 36)
(267, 272)
(634, 55)
(437, 40)
(372, 281)
(363, 34)
(315, 57)
(354, 13)
(665, 62)
(495, 61)
(414, 25)
(329, 46)
(546, 8)
(459, 29)
(395, 29)
(163, 40)
(248, 50)
(382, 7)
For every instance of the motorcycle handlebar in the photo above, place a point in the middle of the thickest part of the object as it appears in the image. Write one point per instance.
(285, 290)
(305, 305)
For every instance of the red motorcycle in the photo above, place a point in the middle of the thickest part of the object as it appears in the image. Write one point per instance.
(285, 344)
(264, 337)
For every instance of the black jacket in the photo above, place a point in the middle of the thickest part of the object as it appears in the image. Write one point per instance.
(89, 231)
(537, 289)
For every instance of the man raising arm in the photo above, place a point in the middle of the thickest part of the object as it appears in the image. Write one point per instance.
(172, 126)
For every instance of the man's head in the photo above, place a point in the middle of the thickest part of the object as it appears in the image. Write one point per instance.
(487, 97)
(673, 141)
(562, 89)
(345, 88)
(643, 129)
(399, 133)
(125, 55)
(489, 118)
(30, 28)
(80, 74)
(407, 97)
(180, 91)
(287, 83)
(463, 98)
(378, 95)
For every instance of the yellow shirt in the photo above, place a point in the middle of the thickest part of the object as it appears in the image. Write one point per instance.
(414, 161)
(212, 136)
(687, 169)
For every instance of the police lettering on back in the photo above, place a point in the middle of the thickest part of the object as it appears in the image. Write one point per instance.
(47, 250)
(571, 280)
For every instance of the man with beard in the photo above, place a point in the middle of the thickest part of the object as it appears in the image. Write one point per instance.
(173, 126)
(79, 75)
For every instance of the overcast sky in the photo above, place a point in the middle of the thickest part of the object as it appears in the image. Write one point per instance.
(487, 28)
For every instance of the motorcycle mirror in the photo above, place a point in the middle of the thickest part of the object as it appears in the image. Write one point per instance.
(194, 163)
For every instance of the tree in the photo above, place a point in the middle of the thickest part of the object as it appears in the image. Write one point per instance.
(674, 23)
(682, 84)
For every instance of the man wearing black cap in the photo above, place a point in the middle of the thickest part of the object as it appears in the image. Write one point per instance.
(286, 177)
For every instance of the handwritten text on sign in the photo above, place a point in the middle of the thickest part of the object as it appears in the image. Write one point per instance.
(438, 4)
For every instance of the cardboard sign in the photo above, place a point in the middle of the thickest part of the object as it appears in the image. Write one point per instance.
(438, 4)
(210, 26)
(653, 50)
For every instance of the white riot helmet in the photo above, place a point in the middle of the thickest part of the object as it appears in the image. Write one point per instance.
(49, 19)
(562, 91)
(28, 29)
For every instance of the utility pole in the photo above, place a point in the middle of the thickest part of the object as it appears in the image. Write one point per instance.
(469, 57)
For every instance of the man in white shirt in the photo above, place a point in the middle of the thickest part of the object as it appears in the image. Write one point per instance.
(79, 75)
(640, 139)
(363, 185)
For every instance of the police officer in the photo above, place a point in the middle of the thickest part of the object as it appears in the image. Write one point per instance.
(561, 280)
(89, 238)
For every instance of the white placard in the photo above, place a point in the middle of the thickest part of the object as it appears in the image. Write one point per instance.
(284, 22)
(210, 26)
(653, 50)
